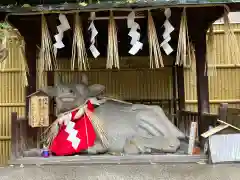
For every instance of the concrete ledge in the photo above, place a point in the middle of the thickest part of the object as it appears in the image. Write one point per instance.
(108, 159)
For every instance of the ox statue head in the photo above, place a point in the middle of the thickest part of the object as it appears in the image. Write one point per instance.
(70, 96)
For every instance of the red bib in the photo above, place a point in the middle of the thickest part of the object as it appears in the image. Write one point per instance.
(74, 136)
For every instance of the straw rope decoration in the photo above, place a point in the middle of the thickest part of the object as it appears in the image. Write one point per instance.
(156, 59)
(232, 53)
(78, 47)
(190, 55)
(98, 126)
(23, 63)
(112, 50)
(51, 132)
(184, 46)
(46, 54)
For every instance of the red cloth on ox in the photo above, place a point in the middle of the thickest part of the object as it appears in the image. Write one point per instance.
(74, 136)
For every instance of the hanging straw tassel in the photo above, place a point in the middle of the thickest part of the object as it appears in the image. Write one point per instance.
(190, 55)
(46, 55)
(23, 62)
(211, 53)
(4, 49)
(112, 56)
(51, 132)
(46, 52)
(183, 41)
(99, 127)
(78, 47)
(154, 47)
(232, 46)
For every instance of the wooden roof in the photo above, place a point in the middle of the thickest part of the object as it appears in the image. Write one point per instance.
(56, 5)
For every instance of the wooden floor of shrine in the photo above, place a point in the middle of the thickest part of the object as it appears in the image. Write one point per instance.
(110, 159)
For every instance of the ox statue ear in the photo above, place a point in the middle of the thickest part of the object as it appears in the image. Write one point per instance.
(50, 91)
(84, 79)
(96, 90)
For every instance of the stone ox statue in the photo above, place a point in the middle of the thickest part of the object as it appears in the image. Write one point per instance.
(130, 128)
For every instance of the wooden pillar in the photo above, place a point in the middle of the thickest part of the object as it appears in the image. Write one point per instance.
(174, 95)
(50, 74)
(222, 111)
(202, 79)
(30, 49)
(180, 87)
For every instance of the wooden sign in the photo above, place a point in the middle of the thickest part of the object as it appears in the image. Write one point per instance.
(38, 115)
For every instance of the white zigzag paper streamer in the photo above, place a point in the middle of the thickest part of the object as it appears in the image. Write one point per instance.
(72, 133)
(166, 35)
(64, 26)
(134, 34)
(94, 33)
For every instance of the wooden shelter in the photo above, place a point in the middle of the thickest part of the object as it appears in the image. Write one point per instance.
(200, 15)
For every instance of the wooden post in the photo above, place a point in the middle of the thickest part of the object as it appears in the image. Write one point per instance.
(222, 111)
(180, 87)
(202, 80)
(174, 100)
(14, 136)
(30, 50)
(50, 74)
(197, 32)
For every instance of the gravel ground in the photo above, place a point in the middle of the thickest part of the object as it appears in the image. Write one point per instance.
(126, 172)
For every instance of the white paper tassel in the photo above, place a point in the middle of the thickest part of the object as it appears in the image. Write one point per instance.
(166, 35)
(64, 26)
(94, 33)
(134, 34)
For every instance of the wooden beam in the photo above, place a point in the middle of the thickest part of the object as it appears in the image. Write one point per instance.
(214, 130)
(12, 104)
(234, 127)
(216, 101)
(5, 138)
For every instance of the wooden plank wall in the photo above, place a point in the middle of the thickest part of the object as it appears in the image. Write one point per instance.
(225, 85)
(127, 83)
(12, 98)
